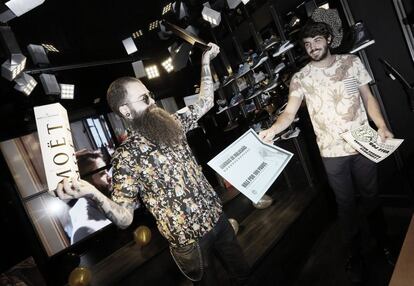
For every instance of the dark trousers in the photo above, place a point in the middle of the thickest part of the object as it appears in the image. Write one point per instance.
(197, 261)
(221, 243)
(358, 218)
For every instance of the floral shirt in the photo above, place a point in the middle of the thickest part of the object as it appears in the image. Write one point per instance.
(170, 183)
(333, 101)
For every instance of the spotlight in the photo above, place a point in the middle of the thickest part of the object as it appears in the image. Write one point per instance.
(50, 48)
(19, 7)
(13, 67)
(245, 1)
(167, 8)
(139, 69)
(129, 45)
(38, 54)
(6, 15)
(49, 83)
(181, 12)
(153, 25)
(67, 91)
(25, 83)
(137, 34)
(152, 72)
(167, 64)
(211, 16)
(233, 3)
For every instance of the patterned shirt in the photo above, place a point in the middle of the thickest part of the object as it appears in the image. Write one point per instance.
(170, 183)
(333, 101)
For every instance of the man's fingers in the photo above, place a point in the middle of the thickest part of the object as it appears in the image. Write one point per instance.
(69, 188)
(75, 184)
(214, 50)
(59, 191)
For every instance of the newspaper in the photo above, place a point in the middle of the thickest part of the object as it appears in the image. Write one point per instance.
(366, 141)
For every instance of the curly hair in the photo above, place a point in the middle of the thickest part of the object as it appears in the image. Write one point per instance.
(313, 29)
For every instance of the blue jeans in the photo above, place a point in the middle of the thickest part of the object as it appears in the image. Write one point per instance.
(219, 243)
(346, 176)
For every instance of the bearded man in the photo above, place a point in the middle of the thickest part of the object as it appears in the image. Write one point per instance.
(156, 163)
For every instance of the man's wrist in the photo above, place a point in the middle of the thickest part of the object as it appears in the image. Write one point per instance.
(273, 128)
(205, 60)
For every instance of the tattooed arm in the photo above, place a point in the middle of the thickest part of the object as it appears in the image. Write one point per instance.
(206, 97)
(121, 215)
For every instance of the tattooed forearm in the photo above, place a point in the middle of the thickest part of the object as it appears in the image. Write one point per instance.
(206, 96)
(121, 215)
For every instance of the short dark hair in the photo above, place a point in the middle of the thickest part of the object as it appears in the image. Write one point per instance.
(313, 29)
(116, 94)
(86, 159)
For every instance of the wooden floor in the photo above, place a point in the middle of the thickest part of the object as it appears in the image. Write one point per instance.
(325, 264)
(294, 242)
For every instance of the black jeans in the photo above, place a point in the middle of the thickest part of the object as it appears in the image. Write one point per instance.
(359, 219)
(219, 243)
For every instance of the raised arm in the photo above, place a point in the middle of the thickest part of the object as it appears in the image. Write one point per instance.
(283, 121)
(121, 215)
(374, 112)
(206, 96)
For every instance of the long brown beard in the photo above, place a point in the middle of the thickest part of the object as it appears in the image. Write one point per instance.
(158, 126)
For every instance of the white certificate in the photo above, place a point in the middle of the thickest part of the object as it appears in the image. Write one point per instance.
(251, 165)
(366, 141)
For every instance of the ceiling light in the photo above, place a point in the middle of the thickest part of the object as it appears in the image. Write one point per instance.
(38, 54)
(9, 42)
(6, 15)
(49, 83)
(182, 11)
(167, 64)
(245, 1)
(129, 45)
(233, 3)
(10, 69)
(211, 16)
(19, 7)
(152, 72)
(139, 69)
(67, 91)
(137, 34)
(153, 25)
(25, 83)
(167, 8)
(50, 48)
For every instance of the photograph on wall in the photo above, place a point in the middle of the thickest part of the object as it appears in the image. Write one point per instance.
(58, 223)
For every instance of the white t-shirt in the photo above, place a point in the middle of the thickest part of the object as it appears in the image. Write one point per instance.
(333, 101)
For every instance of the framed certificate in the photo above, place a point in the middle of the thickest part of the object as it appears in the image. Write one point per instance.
(251, 165)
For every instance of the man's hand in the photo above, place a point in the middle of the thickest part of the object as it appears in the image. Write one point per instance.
(384, 133)
(67, 190)
(267, 135)
(211, 53)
